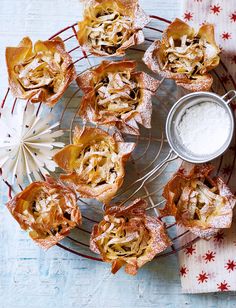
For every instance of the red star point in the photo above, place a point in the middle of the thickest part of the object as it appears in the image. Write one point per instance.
(223, 286)
(215, 9)
(188, 16)
(183, 271)
(190, 250)
(202, 277)
(209, 256)
(226, 36)
(219, 237)
(230, 265)
(233, 17)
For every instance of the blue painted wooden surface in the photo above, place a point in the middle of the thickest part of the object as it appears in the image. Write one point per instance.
(32, 278)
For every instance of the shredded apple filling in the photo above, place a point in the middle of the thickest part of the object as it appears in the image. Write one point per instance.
(41, 70)
(109, 30)
(200, 200)
(187, 56)
(39, 210)
(120, 239)
(47, 210)
(98, 164)
(117, 92)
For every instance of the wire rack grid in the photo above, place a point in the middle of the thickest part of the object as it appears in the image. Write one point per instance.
(151, 146)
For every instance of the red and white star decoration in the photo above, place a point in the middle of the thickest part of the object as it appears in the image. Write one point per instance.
(223, 286)
(215, 9)
(189, 251)
(213, 262)
(226, 36)
(188, 16)
(230, 265)
(209, 256)
(219, 237)
(202, 277)
(233, 17)
(183, 271)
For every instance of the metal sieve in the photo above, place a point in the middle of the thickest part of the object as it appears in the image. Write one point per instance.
(179, 109)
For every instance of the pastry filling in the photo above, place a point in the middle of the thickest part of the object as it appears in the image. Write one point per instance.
(188, 55)
(123, 238)
(45, 214)
(109, 30)
(118, 93)
(98, 164)
(199, 202)
(44, 69)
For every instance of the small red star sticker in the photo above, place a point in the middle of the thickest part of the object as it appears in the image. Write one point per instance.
(202, 277)
(215, 9)
(233, 17)
(219, 237)
(226, 36)
(188, 16)
(209, 256)
(183, 271)
(224, 78)
(230, 265)
(223, 286)
(190, 250)
(227, 169)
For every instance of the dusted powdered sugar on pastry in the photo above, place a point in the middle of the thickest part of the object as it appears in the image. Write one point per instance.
(40, 73)
(128, 237)
(95, 163)
(48, 210)
(185, 55)
(202, 204)
(117, 95)
(110, 27)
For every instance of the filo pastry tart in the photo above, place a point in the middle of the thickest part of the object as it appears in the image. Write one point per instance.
(185, 55)
(95, 163)
(40, 73)
(47, 210)
(199, 202)
(109, 27)
(128, 237)
(116, 95)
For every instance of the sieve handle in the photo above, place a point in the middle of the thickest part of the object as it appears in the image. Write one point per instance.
(229, 96)
(170, 157)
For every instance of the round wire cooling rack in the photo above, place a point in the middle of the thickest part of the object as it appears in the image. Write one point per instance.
(151, 164)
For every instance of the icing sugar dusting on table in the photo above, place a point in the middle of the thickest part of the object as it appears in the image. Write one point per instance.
(204, 128)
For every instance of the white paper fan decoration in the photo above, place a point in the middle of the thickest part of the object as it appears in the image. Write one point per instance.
(27, 142)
